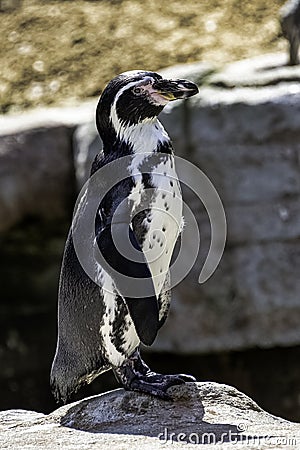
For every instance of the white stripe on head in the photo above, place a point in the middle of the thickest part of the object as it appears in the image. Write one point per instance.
(143, 136)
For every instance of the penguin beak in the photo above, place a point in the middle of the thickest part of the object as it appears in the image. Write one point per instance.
(175, 89)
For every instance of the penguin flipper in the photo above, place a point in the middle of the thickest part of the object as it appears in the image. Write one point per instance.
(124, 271)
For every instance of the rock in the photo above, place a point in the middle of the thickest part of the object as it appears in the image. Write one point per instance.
(244, 116)
(36, 175)
(12, 417)
(251, 300)
(66, 115)
(263, 70)
(201, 413)
(196, 72)
(36, 163)
(86, 143)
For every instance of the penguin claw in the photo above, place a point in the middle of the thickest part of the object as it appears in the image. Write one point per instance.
(186, 378)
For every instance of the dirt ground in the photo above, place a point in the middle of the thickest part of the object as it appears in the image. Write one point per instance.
(56, 50)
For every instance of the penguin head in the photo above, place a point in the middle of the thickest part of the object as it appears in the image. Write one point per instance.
(136, 97)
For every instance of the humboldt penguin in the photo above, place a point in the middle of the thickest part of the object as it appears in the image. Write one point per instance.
(104, 317)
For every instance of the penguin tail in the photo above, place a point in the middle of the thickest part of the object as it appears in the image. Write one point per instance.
(62, 382)
(69, 374)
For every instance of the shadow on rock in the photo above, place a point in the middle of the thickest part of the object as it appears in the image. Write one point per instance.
(124, 412)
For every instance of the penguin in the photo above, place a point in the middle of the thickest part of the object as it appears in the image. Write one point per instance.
(104, 319)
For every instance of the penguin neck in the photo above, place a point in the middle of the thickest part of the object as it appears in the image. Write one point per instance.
(147, 136)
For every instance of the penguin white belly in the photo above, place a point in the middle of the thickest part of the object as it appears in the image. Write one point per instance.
(164, 223)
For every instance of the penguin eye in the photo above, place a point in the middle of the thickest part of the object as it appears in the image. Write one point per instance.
(137, 90)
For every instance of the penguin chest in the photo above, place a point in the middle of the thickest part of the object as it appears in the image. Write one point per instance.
(163, 220)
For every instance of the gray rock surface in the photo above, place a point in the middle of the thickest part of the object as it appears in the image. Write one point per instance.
(66, 115)
(263, 70)
(86, 144)
(36, 162)
(197, 72)
(208, 414)
(36, 175)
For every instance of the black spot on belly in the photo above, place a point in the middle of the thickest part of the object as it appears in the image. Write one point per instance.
(171, 183)
(163, 228)
(163, 195)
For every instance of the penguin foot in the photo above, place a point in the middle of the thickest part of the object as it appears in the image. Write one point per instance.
(157, 384)
(135, 375)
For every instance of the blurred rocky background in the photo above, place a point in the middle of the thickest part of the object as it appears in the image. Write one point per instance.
(242, 326)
